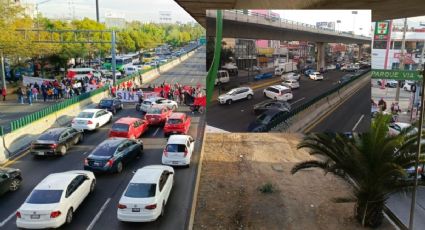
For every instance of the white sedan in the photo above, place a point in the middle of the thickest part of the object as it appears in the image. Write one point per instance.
(54, 200)
(316, 76)
(396, 127)
(158, 101)
(146, 195)
(91, 119)
(291, 76)
(293, 84)
(178, 150)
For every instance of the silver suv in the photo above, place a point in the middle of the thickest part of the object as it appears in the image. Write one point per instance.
(236, 94)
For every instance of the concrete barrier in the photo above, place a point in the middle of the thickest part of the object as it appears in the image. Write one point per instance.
(302, 120)
(16, 141)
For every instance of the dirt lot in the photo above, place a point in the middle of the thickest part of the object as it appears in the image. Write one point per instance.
(235, 166)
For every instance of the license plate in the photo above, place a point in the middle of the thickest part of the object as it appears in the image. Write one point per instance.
(96, 164)
(135, 209)
(152, 119)
(35, 216)
(81, 122)
(175, 162)
(40, 153)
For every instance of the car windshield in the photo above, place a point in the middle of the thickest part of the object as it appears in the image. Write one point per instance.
(120, 127)
(85, 115)
(231, 92)
(105, 102)
(174, 121)
(154, 111)
(44, 197)
(140, 190)
(106, 148)
(147, 102)
(176, 148)
(263, 119)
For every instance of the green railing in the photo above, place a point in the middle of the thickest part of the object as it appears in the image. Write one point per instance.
(27, 119)
(283, 119)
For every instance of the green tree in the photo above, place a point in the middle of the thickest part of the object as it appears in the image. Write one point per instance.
(372, 163)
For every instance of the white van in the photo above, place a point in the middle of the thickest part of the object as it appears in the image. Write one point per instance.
(130, 70)
(80, 73)
(286, 67)
(222, 77)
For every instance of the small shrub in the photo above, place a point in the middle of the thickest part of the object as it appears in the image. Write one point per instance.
(267, 188)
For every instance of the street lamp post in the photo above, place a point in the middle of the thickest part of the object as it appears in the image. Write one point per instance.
(401, 65)
(97, 11)
(354, 12)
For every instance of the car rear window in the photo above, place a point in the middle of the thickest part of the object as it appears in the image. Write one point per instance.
(140, 190)
(85, 115)
(44, 197)
(49, 136)
(174, 121)
(105, 102)
(106, 148)
(154, 111)
(176, 148)
(120, 127)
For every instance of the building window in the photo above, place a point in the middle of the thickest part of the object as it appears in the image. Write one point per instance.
(396, 45)
(379, 44)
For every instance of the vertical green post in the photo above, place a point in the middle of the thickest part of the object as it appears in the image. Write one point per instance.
(212, 72)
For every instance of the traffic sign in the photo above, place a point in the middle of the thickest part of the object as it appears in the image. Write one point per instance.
(396, 74)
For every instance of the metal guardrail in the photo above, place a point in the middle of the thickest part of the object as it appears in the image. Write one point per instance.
(282, 119)
(27, 119)
(287, 21)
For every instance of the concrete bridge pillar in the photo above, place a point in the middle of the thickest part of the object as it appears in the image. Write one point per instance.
(360, 54)
(320, 55)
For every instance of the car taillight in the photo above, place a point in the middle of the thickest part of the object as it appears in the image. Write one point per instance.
(185, 152)
(109, 163)
(165, 152)
(55, 214)
(52, 146)
(18, 214)
(121, 206)
(150, 207)
(89, 122)
(86, 162)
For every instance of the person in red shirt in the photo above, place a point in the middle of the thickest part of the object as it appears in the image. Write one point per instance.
(113, 90)
(3, 93)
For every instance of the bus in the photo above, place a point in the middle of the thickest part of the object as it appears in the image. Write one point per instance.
(135, 57)
(121, 62)
(148, 57)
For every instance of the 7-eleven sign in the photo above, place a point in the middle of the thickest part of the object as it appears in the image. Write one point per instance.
(382, 27)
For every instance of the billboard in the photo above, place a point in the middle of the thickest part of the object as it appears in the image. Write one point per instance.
(326, 25)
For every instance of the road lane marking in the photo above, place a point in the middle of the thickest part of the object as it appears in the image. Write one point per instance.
(84, 153)
(298, 100)
(156, 131)
(192, 80)
(7, 219)
(96, 218)
(358, 122)
(14, 160)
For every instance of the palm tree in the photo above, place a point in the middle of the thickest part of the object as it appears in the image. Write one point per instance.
(372, 163)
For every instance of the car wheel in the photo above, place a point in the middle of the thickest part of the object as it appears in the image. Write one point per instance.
(69, 216)
(92, 185)
(264, 94)
(249, 97)
(229, 102)
(110, 119)
(275, 98)
(81, 139)
(15, 184)
(119, 167)
(162, 209)
(121, 107)
(62, 150)
(76, 140)
(114, 111)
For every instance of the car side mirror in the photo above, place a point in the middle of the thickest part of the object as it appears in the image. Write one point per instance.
(86, 177)
(170, 173)
(5, 176)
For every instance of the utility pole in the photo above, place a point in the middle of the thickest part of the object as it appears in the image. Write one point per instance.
(3, 74)
(401, 66)
(97, 11)
(113, 61)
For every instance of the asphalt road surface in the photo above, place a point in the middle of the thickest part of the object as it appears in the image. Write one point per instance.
(237, 116)
(353, 115)
(110, 187)
(190, 72)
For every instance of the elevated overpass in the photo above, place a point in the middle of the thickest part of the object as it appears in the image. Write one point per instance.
(381, 10)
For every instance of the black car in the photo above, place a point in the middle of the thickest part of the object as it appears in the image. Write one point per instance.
(345, 78)
(265, 119)
(271, 104)
(111, 104)
(56, 141)
(10, 180)
(112, 154)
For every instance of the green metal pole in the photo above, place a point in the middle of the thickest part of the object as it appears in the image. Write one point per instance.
(212, 72)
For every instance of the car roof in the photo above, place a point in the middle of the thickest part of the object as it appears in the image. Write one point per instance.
(272, 111)
(279, 87)
(127, 120)
(92, 110)
(153, 98)
(57, 181)
(114, 141)
(158, 106)
(149, 174)
(177, 115)
(177, 139)
(402, 124)
(241, 88)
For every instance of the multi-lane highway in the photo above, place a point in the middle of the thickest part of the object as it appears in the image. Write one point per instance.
(99, 209)
(237, 116)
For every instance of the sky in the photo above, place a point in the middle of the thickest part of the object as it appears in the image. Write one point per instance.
(141, 10)
(348, 20)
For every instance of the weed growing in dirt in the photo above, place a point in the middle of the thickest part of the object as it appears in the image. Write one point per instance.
(267, 188)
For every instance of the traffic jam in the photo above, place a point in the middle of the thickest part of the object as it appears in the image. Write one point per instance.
(54, 201)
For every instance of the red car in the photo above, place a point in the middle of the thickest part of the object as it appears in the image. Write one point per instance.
(158, 114)
(128, 127)
(177, 123)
